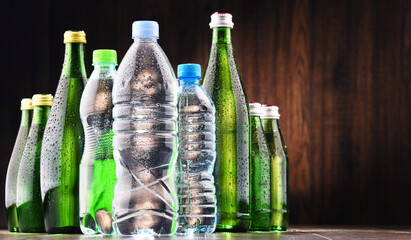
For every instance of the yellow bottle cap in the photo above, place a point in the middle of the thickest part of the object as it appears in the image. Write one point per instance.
(26, 104)
(75, 37)
(42, 100)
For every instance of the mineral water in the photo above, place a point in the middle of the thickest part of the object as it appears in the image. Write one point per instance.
(195, 181)
(97, 168)
(145, 137)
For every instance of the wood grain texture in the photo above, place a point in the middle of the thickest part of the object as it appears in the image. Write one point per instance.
(340, 71)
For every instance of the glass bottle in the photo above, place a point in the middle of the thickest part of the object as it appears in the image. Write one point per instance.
(223, 84)
(279, 168)
(260, 204)
(11, 177)
(63, 143)
(29, 204)
(97, 168)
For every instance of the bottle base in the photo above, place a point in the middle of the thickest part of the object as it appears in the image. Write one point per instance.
(201, 229)
(278, 228)
(32, 230)
(13, 229)
(241, 226)
(54, 230)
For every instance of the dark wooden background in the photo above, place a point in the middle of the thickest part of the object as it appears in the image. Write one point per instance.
(339, 70)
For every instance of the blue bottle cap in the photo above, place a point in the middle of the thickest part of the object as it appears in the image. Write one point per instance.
(148, 29)
(189, 70)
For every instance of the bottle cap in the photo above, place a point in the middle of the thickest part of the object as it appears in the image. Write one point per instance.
(75, 37)
(255, 108)
(221, 20)
(105, 55)
(42, 100)
(26, 104)
(270, 111)
(189, 70)
(149, 29)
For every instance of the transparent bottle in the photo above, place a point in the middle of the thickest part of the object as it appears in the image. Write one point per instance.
(145, 137)
(63, 142)
(29, 204)
(196, 136)
(279, 168)
(26, 108)
(260, 203)
(223, 84)
(97, 167)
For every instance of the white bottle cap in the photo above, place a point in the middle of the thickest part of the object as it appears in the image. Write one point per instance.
(270, 111)
(221, 20)
(255, 108)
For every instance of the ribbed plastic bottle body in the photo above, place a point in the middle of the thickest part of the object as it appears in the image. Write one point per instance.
(279, 175)
(223, 84)
(29, 203)
(195, 181)
(97, 168)
(145, 141)
(12, 170)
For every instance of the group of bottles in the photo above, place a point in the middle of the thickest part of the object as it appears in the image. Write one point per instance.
(268, 163)
(138, 152)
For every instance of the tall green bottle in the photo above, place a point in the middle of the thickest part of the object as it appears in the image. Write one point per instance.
(260, 204)
(29, 205)
(11, 177)
(63, 143)
(279, 168)
(223, 84)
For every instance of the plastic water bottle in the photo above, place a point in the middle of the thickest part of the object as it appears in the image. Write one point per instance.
(196, 135)
(145, 137)
(97, 167)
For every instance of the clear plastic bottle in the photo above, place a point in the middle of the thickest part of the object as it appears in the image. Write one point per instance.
(145, 137)
(97, 168)
(196, 136)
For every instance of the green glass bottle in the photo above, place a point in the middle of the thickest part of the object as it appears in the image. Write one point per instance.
(63, 143)
(231, 172)
(11, 177)
(29, 204)
(260, 203)
(279, 168)
(97, 168)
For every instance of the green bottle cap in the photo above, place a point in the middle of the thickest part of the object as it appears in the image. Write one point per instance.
(105, 55)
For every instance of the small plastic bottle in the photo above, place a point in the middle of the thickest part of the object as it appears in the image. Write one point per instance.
(196, 135)
(97, 168)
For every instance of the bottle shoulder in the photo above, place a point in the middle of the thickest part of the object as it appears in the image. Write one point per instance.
(195, 95)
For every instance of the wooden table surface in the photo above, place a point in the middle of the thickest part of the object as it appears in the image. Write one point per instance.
(295, 232)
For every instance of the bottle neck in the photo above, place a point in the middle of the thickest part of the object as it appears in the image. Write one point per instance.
(41, 114)
(221, 35)
(104, 66)
(145, 39)
(270, 124)
(189, 81)
(74, 60)
(26, 116)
